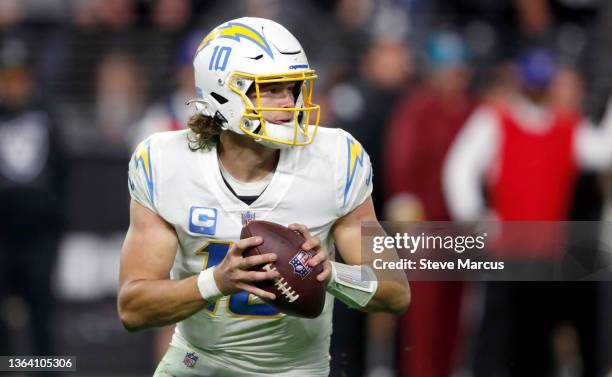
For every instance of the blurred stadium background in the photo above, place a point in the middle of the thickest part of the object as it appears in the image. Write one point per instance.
(82, 81)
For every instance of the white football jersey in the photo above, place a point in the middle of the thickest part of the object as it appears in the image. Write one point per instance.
(313, 185)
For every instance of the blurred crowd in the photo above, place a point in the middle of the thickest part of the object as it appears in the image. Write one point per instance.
(469, 109)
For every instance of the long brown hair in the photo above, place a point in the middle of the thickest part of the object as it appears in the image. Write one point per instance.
(206, 132)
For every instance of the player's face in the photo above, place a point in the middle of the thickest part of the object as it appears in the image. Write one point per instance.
(278, 94)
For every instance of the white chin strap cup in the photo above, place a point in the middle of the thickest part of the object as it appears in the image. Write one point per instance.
(282, 132)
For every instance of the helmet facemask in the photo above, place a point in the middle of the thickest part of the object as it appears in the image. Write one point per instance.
(304, 112)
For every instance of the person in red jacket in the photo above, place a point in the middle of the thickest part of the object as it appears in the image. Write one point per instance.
(510, 143)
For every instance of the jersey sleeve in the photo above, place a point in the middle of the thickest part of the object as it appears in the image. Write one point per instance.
(142, 174)
(353, 173)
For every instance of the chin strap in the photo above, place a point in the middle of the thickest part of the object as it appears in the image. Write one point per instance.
(281, 132)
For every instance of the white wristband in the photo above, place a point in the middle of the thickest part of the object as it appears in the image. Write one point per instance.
(207, 285)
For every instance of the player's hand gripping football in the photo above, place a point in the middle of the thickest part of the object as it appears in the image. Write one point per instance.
(232, 274)
(321, 256)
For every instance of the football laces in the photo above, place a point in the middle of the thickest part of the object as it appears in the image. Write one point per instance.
(282, 285)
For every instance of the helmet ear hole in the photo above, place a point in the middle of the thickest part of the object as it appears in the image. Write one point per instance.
(220, 120)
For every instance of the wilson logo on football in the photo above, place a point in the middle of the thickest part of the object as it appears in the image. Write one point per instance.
(299, 262)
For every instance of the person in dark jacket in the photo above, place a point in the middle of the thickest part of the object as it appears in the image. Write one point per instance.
(32, 179)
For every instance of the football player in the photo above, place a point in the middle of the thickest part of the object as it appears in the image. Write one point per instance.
(252, 151)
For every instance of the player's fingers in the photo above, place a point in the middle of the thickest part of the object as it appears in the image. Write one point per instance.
(256, 260)
(251, 276)
(312, 243)
(324, 276)
(300, 228)
(246, 243)
(320, 257)
(256, 291)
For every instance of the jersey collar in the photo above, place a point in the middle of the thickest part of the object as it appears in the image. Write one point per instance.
(272, 195)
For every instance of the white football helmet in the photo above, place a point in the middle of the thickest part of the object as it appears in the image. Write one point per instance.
(243, 54)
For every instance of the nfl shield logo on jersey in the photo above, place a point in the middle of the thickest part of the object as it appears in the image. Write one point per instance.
(247, 217)
(190, 359)
(299, 262)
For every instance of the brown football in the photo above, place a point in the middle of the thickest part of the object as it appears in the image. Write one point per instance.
(297, 290)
